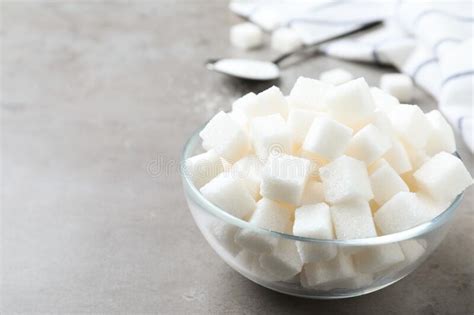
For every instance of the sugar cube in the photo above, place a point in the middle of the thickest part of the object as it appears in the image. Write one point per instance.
(225, 234)
(269, 215)
(397, 157)
(378, 258)
(270, 101)
(441, 137)
(249, 262)
(249, 169)
(336, 76)
(376, 165)
(299, 122)
(328, 274)
(285, 40)
(327, 138)
(203, 167)
(413, 250)
(398, 85)
(386, 183)
(383, 101)
(369, 144)
(314, 221)
(244, 108)
(410, 124)
(316, 163)
(226, 165)
(403, 211)
(226, 137)
(230, 194)
(246, 35)
(309, 94)
(353, 220)
(443, 177)
(351, 103)
(284, 178)
(382, 122)
(417, 156)
(313, 193)
(270, 136)
(345, 179)
(360, 280)
(283, 263)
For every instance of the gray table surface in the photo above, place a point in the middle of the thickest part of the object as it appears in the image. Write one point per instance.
(98, 99)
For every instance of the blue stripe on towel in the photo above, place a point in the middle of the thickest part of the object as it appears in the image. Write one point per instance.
(457, 76)
(421, 66)
(459, 18)
(442, 41)
(460, 122)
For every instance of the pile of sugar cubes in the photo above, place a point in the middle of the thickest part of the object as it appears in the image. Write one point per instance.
(327, 162)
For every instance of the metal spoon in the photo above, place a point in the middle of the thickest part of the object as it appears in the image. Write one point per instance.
(269, 70)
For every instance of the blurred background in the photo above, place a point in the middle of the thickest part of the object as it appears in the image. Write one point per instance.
(97, 101)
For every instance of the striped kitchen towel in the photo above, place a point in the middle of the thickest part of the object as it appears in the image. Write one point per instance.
(430, 41)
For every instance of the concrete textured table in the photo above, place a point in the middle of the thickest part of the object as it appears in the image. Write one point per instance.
(98, 99)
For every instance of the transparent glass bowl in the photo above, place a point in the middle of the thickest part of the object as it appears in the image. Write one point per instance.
(331, 279)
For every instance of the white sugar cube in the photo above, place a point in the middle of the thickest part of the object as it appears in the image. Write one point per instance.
(271, 101)
(327, 138)
(203, 167)
(410, 124)
(313, 193)
(249, 168)
(309, 94)
(284, 262)
(441, 137)
(382, 122)
(314, 221)
(351, 103)
(328, 274)
(270, 135)
(249, 262)
(226, 165)
(244, 108)
(403, 211)
(376, 165)
(269, 215)
(299, 122)
(413, 250)
(397, 156)
(336, 76)
(360, 280)
(284, 178)
(443, 177)
(369, 144)
(226, 137)
(225, 234)
(240, 119)
(285, 40)
(399, 85)
(353, 220)
(345, 179)
(417, 156)
(230, 194)
(383, 101)
(378, 258)
(386, 183)
(246, 35)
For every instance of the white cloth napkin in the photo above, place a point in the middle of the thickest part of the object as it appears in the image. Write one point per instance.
(430, 41)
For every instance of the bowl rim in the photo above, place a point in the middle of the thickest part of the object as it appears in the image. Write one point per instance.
(193, 192)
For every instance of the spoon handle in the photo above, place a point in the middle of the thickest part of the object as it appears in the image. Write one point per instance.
(361, 28)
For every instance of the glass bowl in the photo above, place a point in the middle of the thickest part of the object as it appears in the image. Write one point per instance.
(360, 266)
